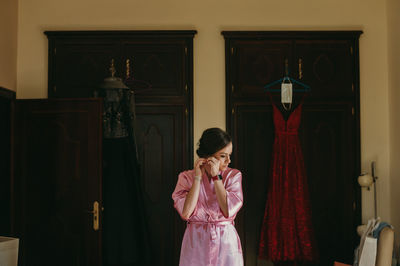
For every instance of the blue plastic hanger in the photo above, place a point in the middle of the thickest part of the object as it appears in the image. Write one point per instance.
(286, 77)
(305, 87)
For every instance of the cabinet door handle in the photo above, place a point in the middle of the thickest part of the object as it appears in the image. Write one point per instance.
(112, 68)
(128, 70)
(300, 68)
(95, 213)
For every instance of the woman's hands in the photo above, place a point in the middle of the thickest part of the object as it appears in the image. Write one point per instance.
(197, 166)
(211, 164)
(214, 165)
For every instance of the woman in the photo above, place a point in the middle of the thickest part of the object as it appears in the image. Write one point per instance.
(208, 198)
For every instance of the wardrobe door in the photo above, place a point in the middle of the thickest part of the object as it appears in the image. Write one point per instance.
(254, 63)
(331, 141)
(327, 137)
(161, 63)
(161, 142)
(57, 189)
(78, 65)
(328, 67)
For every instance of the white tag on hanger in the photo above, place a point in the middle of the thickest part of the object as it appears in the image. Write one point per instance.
(286, 92)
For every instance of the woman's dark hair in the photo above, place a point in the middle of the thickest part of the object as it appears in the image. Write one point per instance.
(211, 141)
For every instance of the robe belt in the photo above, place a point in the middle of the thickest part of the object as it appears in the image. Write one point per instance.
(212, 225)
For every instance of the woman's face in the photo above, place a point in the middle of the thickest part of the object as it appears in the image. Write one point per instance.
(224, 156)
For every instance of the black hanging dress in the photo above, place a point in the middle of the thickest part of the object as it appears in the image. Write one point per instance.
(124, 227)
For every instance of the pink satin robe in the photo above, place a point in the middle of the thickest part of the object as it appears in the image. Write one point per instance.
(210, 238)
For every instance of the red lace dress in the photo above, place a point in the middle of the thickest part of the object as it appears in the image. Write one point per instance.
(286, 233)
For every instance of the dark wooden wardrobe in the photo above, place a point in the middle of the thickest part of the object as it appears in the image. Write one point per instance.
(329, 133)
(7, 99)
(78, 63)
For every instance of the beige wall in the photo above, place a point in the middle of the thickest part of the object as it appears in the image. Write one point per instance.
(394, 98)
(8, 43)
(209, 18)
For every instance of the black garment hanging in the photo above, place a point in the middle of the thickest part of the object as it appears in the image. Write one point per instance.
(125, 235)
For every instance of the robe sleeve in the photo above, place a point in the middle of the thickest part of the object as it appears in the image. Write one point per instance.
(234, 194)
(181, 190)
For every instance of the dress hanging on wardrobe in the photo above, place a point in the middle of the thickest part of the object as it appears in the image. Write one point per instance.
(124, 228)
(286, 233)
